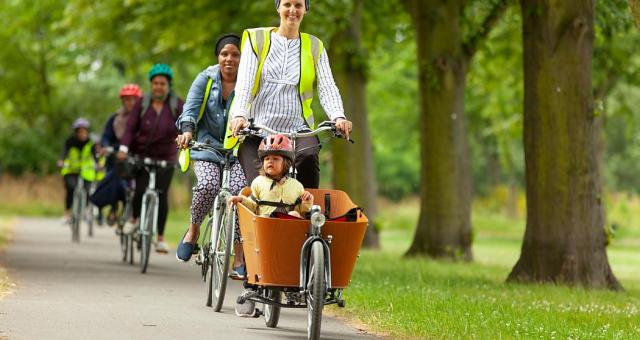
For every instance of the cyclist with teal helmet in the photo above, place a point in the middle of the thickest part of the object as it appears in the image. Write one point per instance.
(151, 133)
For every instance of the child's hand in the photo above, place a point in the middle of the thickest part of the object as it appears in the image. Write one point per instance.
(234, 200)
(306, 196)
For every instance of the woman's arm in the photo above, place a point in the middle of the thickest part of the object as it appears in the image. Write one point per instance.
(327, 89)
(108, 135)
(189, 117)
(246, 78)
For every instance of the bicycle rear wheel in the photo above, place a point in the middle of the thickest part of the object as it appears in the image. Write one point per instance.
(316, 291)
(124, 246)
(89, 217)
(217, 280)
(147, 233)
(130, 242)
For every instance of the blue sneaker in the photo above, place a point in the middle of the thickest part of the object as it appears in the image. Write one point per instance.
(185, 250)
(238, 273)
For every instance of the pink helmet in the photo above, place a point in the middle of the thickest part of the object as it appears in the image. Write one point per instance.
(276, 145)
(131, 90)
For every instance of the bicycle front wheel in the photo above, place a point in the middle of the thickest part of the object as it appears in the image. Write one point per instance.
(272, 312)
(316, 290)
(76, 217)
(217, 279)
(147, 233)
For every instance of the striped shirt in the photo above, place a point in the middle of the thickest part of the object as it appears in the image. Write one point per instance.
(277, 103)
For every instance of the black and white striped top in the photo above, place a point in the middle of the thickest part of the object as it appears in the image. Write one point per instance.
(277, 103)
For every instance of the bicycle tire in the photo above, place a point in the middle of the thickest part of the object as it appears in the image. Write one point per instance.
(316, 290)
(205, 258)
(221, 257)
(76, 216)
(89, 212)
(272, 312)
(124, 246)
(130, 242)
(146, 235)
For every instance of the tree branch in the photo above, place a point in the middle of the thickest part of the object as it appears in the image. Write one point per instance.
(471, 45)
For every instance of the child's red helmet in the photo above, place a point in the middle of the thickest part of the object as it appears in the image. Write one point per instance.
(276, 145)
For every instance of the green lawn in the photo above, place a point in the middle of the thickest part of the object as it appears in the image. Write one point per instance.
(421, 298)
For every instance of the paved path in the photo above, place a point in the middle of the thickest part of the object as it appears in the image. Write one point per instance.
(83, 291)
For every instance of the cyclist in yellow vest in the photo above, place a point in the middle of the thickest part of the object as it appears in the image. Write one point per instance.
(276, 76)
(77, 159)
(278, 69)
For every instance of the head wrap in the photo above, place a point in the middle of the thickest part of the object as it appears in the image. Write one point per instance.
(226, 39)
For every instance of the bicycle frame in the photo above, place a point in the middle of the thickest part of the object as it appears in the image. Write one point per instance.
(223, 194)
(150, 192)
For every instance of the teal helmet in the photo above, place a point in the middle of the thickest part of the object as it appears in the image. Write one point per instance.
(160, 69)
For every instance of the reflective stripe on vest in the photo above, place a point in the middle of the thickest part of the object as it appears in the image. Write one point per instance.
(310, 51)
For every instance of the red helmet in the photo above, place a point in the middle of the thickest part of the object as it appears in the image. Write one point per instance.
(131, 90)
(276, 145)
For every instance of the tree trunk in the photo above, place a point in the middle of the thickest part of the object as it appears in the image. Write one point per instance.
(634, 5)
(444, 226)
(353, 168)
(564, 241)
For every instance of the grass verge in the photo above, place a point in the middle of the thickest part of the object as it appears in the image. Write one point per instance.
(5, 237)
(420, 298)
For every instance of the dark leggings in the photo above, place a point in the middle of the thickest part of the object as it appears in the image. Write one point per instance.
(307, 161)
(70, 182)
(163, 181)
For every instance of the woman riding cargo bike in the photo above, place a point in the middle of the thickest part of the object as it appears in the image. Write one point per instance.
(278, 70)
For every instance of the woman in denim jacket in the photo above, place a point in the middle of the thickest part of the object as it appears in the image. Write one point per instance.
(211, 130)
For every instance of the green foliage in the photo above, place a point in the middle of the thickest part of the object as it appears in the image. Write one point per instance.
(393, 106)
(61, 60)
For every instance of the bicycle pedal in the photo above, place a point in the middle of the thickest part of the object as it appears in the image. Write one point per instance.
(258, 313)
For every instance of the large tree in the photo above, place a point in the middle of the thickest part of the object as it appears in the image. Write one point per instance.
(564, 240)
(353, 168)
(444, 54)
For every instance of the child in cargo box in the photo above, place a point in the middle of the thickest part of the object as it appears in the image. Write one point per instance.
(273, 191)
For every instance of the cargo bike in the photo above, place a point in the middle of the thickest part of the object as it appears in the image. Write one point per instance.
(291, 262)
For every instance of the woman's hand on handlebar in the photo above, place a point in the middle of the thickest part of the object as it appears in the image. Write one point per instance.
(238, 124)
(184, 139)
(344, 126)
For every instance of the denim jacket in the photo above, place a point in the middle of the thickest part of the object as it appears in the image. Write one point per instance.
(211, 128)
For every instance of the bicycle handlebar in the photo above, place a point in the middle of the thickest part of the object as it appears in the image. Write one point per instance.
(324, 126)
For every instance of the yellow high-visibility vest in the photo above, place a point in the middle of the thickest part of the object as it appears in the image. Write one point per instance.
(80, 162)
(310, 51)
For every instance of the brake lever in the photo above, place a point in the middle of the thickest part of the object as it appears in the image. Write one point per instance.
(340, 135)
